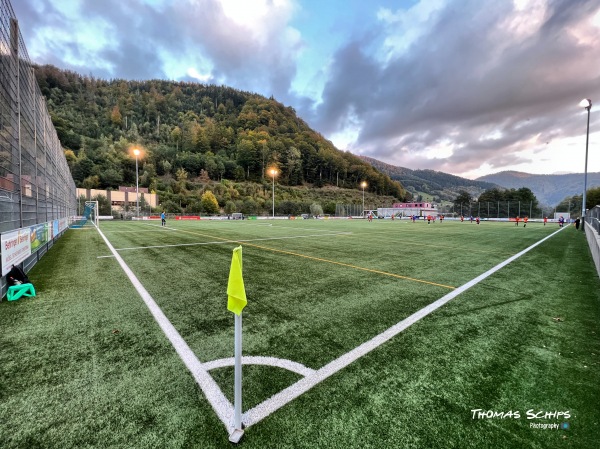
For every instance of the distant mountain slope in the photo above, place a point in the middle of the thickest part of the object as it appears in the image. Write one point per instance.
(549, 189)
(438, 184)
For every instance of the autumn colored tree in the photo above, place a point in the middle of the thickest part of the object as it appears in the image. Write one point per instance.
(209, 203)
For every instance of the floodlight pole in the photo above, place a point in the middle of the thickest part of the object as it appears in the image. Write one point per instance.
(363, 185)
(137, 190)
(586, 104)
(273, 173)
(137, 195)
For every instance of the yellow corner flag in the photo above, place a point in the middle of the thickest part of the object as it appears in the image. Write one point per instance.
(236, 293)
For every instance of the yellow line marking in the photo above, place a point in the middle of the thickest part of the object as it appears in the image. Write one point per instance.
(385, 273)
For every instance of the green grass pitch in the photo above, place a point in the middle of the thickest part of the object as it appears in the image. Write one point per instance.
(85, 365)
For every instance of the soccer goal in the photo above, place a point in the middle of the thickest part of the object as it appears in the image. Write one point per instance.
(89, 217)
(565, 215)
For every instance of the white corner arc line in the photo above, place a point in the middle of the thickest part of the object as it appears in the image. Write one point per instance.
(211, 390)
(295, 367)
(278, 400)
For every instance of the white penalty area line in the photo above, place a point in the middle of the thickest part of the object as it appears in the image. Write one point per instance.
(222, 242)
(275, 402)
(211, 390)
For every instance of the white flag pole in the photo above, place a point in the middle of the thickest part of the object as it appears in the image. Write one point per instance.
(237, 400)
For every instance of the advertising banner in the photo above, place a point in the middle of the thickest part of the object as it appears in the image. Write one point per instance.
(16, 248)
(55, 228)
(187, 217)
(63, 223)
(38, 236)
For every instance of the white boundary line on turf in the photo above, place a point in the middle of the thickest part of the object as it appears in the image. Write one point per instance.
(211, 390)
(222, 242)
(275, 402)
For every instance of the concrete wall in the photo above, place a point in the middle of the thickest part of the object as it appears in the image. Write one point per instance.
(593, 239)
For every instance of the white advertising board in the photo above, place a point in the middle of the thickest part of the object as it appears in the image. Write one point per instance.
(16, 247)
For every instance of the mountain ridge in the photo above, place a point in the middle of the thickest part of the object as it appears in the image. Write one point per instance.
(441, 186)
(549, 189)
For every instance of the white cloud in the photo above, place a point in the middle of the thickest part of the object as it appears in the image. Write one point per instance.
(405, 27)
(525, 19)
(262, 17)
(195, 74)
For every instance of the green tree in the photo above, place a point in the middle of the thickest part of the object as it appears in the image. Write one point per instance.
(104, 207)
(71, 159)
(180, 185)
(592, 198)
(316, 209)
(463, 198)
(166, 166)
(176, 136)
(115, 117)
(171, 207)
(82, 169)
(91, 182)
(249, 207)
(230, 207)
(111, 178)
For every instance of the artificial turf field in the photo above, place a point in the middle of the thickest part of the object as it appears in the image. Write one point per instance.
(85, 365)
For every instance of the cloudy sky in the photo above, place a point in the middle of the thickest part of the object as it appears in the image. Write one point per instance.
(468, 87)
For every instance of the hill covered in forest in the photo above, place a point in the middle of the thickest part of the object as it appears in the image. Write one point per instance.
(192, 137)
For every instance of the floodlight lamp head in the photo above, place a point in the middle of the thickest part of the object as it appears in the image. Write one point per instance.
(586, 103)
(136, 152)
(363, 184)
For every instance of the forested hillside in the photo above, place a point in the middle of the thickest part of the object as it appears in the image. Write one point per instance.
(194, 137)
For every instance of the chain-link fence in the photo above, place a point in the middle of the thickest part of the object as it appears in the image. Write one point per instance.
(36, 187)
(349, 210)
(503, 210)
(592, 219)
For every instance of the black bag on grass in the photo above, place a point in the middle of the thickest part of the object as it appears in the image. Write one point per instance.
(16, 276)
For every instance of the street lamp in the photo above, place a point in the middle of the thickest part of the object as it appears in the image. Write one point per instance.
(137, 195)
(586, 103)
(363, 185)
(273, 172)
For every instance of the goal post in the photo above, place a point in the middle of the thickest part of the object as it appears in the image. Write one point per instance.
(90, 212)
(565, 215)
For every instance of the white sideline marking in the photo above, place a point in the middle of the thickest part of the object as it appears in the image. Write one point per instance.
(104, 257)
(269, 361)
(222, 242)
(290, 393)
(213, 393)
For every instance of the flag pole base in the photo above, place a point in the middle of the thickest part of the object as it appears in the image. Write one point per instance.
(236, 436)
